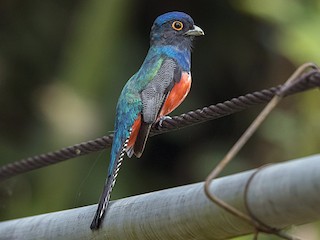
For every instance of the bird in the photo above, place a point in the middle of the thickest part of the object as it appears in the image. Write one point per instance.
(155, 90)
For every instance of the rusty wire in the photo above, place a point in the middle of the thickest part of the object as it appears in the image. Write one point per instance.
(294, 82)
(305, 82)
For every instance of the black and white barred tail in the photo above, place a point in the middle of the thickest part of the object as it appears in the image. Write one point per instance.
(105, 196)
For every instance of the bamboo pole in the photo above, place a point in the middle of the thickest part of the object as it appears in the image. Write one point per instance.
(280, 195)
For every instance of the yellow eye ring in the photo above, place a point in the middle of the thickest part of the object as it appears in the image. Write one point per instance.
(177, 25)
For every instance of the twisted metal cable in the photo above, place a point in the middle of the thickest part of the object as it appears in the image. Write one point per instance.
(305, 82)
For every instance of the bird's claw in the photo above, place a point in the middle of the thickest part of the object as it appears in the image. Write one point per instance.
(163, 118)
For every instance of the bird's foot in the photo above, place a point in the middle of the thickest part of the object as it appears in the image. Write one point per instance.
(163, 118)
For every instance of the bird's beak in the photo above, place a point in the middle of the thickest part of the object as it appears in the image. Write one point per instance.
(196, 31)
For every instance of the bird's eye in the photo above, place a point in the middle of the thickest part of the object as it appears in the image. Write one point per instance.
(177, 25)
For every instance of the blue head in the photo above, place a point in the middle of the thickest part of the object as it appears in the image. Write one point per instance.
(175, 29)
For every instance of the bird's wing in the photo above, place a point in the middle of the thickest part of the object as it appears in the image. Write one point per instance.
(153, 97)
(156, 91)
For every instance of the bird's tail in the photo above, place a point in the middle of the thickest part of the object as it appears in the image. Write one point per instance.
(103, 203)
(110, 182)
(142, 138)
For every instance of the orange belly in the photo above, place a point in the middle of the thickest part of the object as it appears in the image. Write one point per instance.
(134, 132)
(177, 94)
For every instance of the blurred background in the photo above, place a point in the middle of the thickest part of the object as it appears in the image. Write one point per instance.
(64, 63)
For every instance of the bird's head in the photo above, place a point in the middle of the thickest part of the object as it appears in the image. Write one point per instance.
(174, 28)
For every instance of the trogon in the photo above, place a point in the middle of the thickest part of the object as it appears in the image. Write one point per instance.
(161, 84)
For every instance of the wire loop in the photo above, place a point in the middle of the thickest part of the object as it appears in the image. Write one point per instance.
(291, 85)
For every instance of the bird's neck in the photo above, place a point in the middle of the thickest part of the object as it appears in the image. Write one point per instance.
(181, 55)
